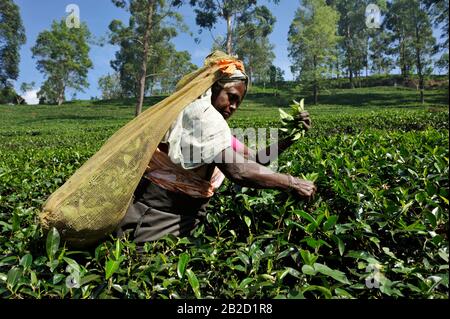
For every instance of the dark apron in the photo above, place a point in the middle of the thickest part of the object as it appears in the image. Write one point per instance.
(156, 212)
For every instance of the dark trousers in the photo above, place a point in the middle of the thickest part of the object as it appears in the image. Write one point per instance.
(156, 212)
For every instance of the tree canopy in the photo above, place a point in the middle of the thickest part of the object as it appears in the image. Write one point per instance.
(233, 12)
(12, 37)
(312, 41)
(145, 47)
(62, 55)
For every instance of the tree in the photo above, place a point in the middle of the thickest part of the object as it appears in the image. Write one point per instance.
(8, 95)
(276, 74)
(352, 29)
(62, 55)
(312, 41)
(398, 24)
(110, 86)
(178, 64)
(252, 45)
(12, 36)
(442, 63)
(24, 88)
(438, 10)
(208, 13)
(380, 53)
(145, 18)
(354, 34)
(423, 42)
(411, 26)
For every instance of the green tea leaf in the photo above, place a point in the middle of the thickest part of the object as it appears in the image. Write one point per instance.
(34, 280)
(248, 221)
(72, 264)
(52, 243)
(306, 216)
(285, 116)
(335, 274)
(14, 274)
(443, 254)
(111, 267)
(57, 278)
(308, 270)
(308, 258)
(26, 261)
(193, 281)
(182, 263)
(329, 223)
(245, 282)
(117, 250)
(89, 278)
(343, 293)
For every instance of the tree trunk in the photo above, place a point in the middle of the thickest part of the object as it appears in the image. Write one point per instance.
(315, 85)
(250, 71)
(61, 95)
(367, 61)
(19, 99)
(337, 67)
(420, 68)
(229, 35)
(143, 76)
(315, 93)
(402, 61)
(349, 59)
(350, 76)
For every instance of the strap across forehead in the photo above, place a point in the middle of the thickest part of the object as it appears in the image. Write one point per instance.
(237, 76)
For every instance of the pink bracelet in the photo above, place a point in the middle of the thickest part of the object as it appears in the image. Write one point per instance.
(237, 145)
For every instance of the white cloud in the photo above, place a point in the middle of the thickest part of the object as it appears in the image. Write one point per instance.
(31, 97)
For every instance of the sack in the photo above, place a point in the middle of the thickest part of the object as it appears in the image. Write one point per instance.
(96, 197)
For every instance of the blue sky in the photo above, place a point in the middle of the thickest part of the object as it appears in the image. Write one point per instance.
(37, 15)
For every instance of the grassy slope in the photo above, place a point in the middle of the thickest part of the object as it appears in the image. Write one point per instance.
(261, 105)
(83, 126)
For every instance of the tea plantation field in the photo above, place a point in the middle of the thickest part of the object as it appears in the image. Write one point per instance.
(377, 228)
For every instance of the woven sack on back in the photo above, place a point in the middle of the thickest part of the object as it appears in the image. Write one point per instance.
(94, 200)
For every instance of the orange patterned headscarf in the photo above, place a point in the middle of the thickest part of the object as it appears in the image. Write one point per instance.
(228, 67)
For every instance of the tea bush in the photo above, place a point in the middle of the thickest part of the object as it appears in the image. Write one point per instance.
(377, 228)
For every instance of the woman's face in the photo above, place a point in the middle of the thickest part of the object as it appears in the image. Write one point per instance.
(227, 100)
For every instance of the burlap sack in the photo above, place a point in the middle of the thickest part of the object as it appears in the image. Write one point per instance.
(94, 200)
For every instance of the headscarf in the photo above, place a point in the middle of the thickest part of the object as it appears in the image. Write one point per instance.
(237, 76)
(216, 133)
(230, 68)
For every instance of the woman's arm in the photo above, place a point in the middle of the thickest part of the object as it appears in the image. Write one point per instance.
(248, 173)
(271, 153)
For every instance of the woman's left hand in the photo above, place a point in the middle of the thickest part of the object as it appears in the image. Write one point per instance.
(304, 120)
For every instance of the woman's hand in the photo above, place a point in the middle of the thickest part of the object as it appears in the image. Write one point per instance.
(303, 119)
(302, 187)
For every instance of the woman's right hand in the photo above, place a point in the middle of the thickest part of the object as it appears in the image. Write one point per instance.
(303, 188)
